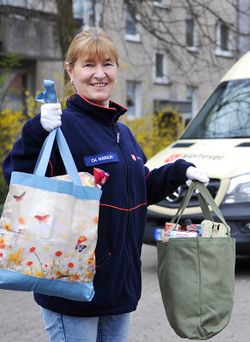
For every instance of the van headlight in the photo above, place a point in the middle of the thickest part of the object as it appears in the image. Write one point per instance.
(239, 190)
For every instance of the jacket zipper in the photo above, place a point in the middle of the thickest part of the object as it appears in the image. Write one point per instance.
(117, 134)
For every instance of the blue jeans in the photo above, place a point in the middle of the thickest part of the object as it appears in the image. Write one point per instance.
(63, 328)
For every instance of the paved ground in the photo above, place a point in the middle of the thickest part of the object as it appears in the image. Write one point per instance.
(20, 318)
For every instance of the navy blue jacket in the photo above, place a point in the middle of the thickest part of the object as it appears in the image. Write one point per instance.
(96, 139)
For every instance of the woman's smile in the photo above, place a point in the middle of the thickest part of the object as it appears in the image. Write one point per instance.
(94, 79)
(98, 85)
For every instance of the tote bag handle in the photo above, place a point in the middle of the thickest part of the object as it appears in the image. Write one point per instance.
(49, 96)
(43, 158)
(205, 199)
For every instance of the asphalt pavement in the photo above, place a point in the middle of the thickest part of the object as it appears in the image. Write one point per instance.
(20, 318)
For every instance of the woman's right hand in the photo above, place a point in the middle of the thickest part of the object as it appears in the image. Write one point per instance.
(51, 116)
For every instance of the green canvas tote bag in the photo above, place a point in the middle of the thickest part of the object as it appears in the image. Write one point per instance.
(196, 276)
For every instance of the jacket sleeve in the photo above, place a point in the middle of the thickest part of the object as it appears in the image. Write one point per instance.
(165, 180)
(25, 150)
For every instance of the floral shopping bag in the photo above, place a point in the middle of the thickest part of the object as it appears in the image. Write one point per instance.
(48, 230)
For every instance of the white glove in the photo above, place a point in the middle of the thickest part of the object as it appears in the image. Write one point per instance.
(194, 173)
(51, 116)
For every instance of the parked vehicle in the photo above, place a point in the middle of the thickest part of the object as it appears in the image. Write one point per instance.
(218, 141)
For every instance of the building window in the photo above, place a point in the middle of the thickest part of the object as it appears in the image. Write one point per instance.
(133, 99)
(160, 67)
(223, 36)
(130, 25)
(182, 107)
(12, 90)
(91, 13)
(78, 9)
(159, 73)
(191, 34)
(191, 96)
(15, 81)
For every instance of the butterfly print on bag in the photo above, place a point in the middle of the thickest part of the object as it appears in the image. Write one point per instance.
(42, 218)
(80, 246)
(19, 197)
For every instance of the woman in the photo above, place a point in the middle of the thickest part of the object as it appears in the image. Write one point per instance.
(90, 126)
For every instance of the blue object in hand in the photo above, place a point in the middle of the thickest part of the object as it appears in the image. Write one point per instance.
(49, 93)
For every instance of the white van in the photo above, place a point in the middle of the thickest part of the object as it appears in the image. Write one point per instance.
(218, 141)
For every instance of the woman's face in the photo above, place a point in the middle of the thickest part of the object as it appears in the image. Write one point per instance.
(94, 80)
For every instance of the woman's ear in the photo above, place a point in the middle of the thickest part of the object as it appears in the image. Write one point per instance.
(69, 69)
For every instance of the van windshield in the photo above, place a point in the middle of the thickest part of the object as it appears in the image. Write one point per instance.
(226, 114)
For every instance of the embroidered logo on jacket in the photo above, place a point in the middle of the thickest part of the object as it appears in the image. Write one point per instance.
(135, 158)
(107, 157)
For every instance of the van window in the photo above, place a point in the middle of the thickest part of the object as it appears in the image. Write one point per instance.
(226, 114)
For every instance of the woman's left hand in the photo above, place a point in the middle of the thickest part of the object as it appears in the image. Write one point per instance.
(194, 173)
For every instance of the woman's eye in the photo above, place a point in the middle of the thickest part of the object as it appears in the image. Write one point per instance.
(88, 65)
(108, 64)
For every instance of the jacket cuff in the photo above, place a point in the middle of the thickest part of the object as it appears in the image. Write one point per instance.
(181, 166)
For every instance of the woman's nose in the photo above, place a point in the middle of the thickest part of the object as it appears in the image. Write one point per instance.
(99, 71)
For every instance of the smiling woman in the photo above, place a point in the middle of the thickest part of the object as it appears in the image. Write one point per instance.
(98, 140)
(91, 64)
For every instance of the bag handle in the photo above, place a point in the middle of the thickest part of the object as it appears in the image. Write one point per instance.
(210, 201)
(205, 199)
(204, 208)
(49, 96)
(44, 155)
(183, 204)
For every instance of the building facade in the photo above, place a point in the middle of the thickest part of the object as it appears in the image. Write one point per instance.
(171, 53)
(29, 42)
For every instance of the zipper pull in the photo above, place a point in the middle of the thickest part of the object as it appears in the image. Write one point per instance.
(118, 137)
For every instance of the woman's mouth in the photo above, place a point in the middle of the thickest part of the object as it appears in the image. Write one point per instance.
(98, 85)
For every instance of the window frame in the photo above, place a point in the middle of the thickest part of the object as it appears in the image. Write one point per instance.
(164, 79)
(191, 95)
(194, 33)
(130, 36)
(96, 12)
(137, 99)
(219, 51)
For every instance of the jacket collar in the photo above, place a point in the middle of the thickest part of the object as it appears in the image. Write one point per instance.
(108, 115)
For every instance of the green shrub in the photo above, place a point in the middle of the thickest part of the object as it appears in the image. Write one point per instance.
(3, 192)
(156, 131)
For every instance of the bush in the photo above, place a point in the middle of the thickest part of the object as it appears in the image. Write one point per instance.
(10, 125)
(11, 122)
(155, 132)
(3, 192)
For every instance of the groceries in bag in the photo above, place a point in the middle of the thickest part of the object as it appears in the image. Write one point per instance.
(206, 229)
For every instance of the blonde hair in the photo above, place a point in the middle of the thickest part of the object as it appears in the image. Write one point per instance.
(93, 44)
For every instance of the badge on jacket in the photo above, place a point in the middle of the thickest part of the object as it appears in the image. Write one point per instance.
(103, 158)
